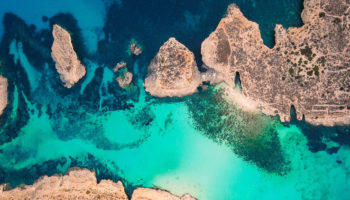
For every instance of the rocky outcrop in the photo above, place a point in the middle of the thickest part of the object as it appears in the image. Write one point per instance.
(309, 67)
(68, 65)
(173, 70)
(3, 94)
(135, 49)
(124, 80)
(81, 184)
(119, 65)
(156, 194)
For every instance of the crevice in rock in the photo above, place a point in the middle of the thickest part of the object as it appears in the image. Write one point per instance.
(238, 82)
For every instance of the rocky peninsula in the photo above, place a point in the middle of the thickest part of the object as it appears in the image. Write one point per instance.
(3, 94)
(173, 70)
(68, 65)
(82, 184)
(308, 68)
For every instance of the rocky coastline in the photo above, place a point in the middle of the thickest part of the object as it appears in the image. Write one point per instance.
(308, 69)
(68, 65)
(3, 94)
(82, 184)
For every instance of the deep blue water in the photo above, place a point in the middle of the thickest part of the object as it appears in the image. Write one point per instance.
(47, 128)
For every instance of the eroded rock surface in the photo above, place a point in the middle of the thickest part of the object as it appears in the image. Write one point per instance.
(155, 194)
(67, 63)
(135, 49)
(309, 67)
(81, 184)
(173, 70)
(3, 94)
(119, 65)
(124, 80)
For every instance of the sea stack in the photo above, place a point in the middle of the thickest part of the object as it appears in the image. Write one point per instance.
(308, 69)
(173, 71)
(3, 94)
(68, 65)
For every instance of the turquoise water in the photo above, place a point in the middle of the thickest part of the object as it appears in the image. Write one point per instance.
(200, 145)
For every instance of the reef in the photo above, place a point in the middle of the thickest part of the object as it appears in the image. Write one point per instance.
(3, 94)
(174, 71)
(68, 65)
(82, 184)
(308, 68)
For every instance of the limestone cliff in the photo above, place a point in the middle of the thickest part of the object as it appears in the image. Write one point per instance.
(173, 70)
(81, 184)
(67, 63)
(3, 94)
(309, 67)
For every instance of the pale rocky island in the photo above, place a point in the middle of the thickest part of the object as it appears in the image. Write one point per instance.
(174, 71)
(68, 65)
(125, 80)
(3, 94)
(135, 49)
(82, 184)
(309, 67)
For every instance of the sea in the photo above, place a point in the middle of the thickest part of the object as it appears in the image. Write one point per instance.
(200, 144)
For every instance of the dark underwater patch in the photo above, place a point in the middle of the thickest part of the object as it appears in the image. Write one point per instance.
(251, 136)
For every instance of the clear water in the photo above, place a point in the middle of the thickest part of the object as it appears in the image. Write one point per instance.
(198, 145)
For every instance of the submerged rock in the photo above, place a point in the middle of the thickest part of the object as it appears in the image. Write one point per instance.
(125, 80)
(174, 71)
(81, 184)
(3, 94)
(135, 49)
(67, 63)
(308, 67)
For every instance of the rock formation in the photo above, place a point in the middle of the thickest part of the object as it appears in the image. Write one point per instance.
(174, 71)
(135, 49)
(67, 63)
(309, 67)
(119, 66)
(124, 80)
(3, 94)
(155, 194)
(81, 184)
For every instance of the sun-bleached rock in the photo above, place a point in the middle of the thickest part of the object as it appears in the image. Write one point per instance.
(68, 65)
(157, 194)
(81, 184)
(125, 80)
(308, 68)
(174, 71)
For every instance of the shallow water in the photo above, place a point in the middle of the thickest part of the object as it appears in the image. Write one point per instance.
(187, 145)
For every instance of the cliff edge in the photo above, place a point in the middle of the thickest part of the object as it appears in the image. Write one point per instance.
(309, 67)
(68, 65)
